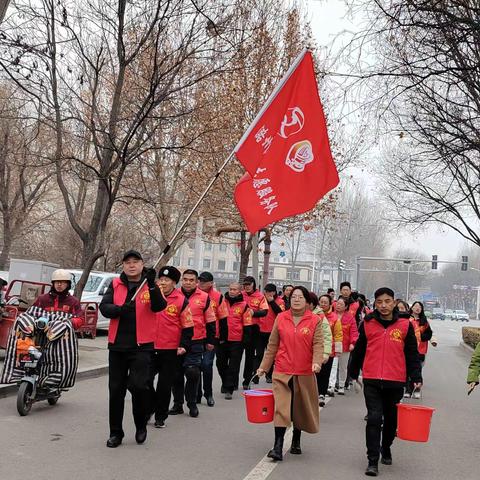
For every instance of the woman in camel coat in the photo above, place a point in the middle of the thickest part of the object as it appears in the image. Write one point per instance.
(296, 348)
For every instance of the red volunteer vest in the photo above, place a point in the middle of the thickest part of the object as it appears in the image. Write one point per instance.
(198, 303)
(419, 329)
(256, 301)
(235, 320)
(146, 320)
(266, 323)
(347, 320)
(295, 351)
(385, 356)
(215, 297)
(169, 328)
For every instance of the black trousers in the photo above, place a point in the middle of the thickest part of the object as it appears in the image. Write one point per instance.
(382, 407)
(166, 364)
(262, 342)
(229, 358)
(324, 376)
(206, 368)
(190, 369)
(129, 370)
(251, 355)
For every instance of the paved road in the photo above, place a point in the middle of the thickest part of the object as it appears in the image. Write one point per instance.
(67, 441)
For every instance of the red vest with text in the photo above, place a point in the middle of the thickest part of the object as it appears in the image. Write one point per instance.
(235, 320)
(295, 350)
(266, 323)
(169, 322)
(200, 314)
(256, 301)
(419, 329)
(218, 306)
(146, 320)
(385, 356)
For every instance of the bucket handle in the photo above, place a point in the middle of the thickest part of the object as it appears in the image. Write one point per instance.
(249, 386)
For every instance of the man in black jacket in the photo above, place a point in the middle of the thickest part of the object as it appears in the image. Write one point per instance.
(386, 352)
(131, 338)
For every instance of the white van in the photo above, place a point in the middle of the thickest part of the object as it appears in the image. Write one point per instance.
(94, 290)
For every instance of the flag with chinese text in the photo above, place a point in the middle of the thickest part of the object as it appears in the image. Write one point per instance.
(286, 153)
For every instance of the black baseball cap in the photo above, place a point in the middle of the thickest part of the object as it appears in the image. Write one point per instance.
(205, 277)
(132, 253)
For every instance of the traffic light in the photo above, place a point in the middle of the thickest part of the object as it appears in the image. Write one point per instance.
(341, 265)
(434, 262)
(464, 263)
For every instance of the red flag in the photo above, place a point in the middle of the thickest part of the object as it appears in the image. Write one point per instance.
(286, 152)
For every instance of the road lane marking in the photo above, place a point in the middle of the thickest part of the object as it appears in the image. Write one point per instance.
(266, 465)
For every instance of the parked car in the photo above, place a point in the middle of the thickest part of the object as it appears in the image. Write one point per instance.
(448, 314)
(95, 287)
(461, 315)
(438, 314)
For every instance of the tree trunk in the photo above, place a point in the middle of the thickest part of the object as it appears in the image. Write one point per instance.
(7, 245)
(267, 240)
(245, 250)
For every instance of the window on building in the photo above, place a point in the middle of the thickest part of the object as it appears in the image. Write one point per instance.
(206, 263)
(296, 275)
(191, 261)
(221, 265)
(208, 247)
(176, 261)
(236, 266)
(270, 272)
(222, 247)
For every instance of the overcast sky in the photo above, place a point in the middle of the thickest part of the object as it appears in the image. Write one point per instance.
(328, 19)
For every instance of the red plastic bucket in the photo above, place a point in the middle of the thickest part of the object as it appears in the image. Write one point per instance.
(260, 405)
(414, 422)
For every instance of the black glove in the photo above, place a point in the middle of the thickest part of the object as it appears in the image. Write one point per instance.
(151, 275)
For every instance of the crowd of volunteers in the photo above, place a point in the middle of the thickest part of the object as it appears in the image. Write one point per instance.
(164, 340)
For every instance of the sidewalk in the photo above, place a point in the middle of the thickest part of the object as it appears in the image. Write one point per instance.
(93, 360)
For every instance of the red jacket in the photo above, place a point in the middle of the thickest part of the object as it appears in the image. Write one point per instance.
(238, 317)
(419, 329)
(219, 308)
(295, 350)
(202, 313)
(385, 355)
(172, 320)
(266, 323)
(256, 301)
(350, 331)
(64, 302)
(146, 321)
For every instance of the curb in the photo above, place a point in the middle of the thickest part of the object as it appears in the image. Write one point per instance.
(82, 374)
(466, 347)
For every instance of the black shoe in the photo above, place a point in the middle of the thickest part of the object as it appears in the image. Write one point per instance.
(268, 380)
(228, 396)
(372, 469)
(199, 400)
(176, 409)
(114, 441)
(210, 401)
(245, 386)
(141, 435)
(159, 424)
(223, 389)
(276, 453)
(386, 456)
(193, 411)
(295, 448)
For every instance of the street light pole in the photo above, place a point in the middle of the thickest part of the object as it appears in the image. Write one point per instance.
(408, 281)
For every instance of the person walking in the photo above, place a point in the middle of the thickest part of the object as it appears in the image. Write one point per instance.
(131, 336)
(217, 302)
(235, 331)
(386, 352)
(259, 308)
(276, 305)
(204, 329)
(296, 349)
(323, 378)
(349, 337)
(423, 333)
(327, 338)
(172, 341)
(286, 292)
